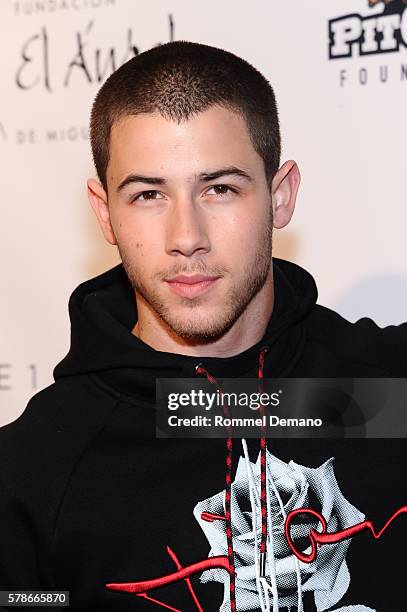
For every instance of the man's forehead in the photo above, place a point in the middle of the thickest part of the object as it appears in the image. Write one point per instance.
(154, 120)
(150, 146)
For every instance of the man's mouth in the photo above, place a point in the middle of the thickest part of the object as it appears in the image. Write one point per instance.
(192, 285)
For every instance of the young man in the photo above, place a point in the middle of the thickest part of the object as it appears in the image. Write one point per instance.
(186, 144)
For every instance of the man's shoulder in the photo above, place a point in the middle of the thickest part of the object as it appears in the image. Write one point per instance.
(65, 402)
(361, 341)
(56, 426)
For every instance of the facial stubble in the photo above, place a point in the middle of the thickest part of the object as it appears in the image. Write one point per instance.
(208, 329)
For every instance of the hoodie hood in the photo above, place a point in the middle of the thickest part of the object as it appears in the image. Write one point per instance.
(103, 311)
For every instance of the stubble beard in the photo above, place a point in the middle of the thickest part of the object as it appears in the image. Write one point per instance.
(208, 329)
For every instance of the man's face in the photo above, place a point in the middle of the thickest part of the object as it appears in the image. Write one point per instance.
(173, 218)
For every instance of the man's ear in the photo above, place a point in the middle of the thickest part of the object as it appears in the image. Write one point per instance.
(98, 200)
(284, 189)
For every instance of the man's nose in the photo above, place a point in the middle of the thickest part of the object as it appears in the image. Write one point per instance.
(186, 230)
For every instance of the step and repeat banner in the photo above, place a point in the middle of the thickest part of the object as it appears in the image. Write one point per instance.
(339, 70)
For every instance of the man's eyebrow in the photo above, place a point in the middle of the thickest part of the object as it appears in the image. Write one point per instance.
(231, 170)
(204, 176)
(138, 178)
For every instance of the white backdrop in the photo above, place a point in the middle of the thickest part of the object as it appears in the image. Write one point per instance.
(343, 120)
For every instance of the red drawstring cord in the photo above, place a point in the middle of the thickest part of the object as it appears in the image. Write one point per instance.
(263, 449)
(200, 369)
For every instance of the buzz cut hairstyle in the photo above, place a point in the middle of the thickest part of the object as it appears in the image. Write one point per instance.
(179, 80)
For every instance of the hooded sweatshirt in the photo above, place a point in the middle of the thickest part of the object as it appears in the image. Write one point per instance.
(93, 503)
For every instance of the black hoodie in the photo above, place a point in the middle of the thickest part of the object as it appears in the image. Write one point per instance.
(93, 503)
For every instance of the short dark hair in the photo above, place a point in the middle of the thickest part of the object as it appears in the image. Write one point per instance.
(180, 79)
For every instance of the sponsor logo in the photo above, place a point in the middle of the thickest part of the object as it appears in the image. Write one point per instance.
(356, 35)
(88, 57)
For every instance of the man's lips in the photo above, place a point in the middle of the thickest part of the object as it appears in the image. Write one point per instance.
(191, 286)
(190, 280)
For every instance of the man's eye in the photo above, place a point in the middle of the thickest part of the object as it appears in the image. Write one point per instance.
(222, 189)
(147, 195)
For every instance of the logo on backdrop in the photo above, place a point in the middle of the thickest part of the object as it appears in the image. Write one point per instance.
(90, 59)
(384, 34)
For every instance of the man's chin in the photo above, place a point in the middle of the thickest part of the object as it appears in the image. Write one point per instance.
(199, 337)
(195, 332)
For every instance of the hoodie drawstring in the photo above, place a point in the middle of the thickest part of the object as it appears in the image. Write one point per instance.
(263, 449)
(200, 369)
